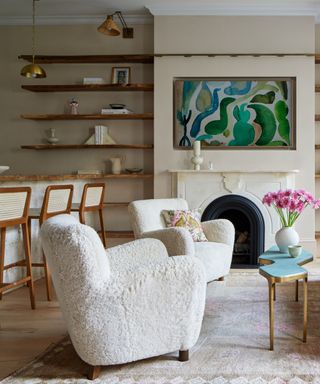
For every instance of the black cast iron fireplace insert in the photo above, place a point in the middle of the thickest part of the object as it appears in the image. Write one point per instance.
(249, 226)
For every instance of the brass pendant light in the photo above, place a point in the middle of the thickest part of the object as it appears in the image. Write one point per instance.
(33, 70)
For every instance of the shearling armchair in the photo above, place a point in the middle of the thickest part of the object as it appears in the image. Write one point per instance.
(216, 254)
(125, 303)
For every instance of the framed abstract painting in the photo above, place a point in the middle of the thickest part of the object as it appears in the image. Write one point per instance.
(235, 113)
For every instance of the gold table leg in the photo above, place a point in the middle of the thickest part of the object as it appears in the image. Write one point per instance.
(305, 308)
(271, 311)
(297, 290)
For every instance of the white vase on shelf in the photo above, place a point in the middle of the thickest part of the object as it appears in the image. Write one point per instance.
(52, 139)
(286, 236)
(116, 165)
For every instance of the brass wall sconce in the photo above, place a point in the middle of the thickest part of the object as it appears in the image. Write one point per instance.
(33, 70)
(110, 28)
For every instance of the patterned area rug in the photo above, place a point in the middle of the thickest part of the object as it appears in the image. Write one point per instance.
(232, 348)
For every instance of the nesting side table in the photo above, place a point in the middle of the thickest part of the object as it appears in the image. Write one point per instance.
(279, 267)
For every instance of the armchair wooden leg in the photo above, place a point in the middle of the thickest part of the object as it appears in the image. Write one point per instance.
(94, 372)
(184, 355)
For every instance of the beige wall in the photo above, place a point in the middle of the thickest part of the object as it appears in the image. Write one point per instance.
(195, 34)
(14, 131)
(69, 40)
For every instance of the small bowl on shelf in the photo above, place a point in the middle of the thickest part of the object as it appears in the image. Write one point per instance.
(117, 106)
(134, 170)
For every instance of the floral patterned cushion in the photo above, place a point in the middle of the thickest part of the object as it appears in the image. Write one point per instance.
(186, 219)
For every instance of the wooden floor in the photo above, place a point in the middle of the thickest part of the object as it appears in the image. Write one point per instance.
(26, 333)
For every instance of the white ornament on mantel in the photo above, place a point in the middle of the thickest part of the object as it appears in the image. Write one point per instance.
(197, 160)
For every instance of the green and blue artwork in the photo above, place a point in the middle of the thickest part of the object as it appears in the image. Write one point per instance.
(253, 113)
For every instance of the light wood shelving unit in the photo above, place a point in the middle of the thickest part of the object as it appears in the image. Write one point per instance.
(123, 116)
(41, 147)
(49, 88)
(90, 59)
(89, 88)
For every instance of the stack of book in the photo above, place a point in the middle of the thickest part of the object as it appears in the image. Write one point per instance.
(115, 111)
(100, 136)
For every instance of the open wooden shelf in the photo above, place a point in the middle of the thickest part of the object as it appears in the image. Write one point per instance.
(317, 58)
(89, 59)
(317, 118)
(317, 146)
(88, 88)
(129, 116)
(317, 88)
(317, 235)
(86, 146)
(76, 177)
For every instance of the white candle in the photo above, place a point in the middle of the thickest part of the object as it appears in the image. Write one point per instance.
(196, 147)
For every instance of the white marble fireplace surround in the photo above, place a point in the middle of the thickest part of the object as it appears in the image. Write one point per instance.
(200, 188)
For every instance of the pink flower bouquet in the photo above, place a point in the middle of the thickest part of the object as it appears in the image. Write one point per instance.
(289, 204)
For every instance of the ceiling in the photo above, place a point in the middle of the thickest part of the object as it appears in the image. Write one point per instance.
(83, 11)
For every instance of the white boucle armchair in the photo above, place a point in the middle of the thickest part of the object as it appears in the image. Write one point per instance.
(216, 254)
(125, 303)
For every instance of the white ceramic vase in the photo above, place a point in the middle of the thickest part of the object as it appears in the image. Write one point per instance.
(116, 165)
(286, 236)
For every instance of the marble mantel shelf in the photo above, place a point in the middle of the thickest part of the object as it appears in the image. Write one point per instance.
(289, 171)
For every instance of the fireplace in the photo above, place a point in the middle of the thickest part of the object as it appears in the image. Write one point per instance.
(249, 227)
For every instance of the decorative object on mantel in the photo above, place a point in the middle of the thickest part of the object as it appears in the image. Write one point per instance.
(52, 139)
(210, 166)
(116, 164)
(4, 168)
(110, 28)
(289, 204)
(246, 113)
(101, 136)
(74, 105)
(33, 70)
(197, 160)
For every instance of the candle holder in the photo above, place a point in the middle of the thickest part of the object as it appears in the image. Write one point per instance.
(197, 160)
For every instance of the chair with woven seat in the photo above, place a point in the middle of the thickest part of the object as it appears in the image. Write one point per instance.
(14, 207)
(57, 200)
(92, 200)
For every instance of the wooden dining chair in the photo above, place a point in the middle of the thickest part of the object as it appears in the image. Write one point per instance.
(92, 200)
(57, 200)
(14, 207)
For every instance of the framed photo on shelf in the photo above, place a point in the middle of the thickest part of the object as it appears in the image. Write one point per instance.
(252, 113)
(120, 75)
